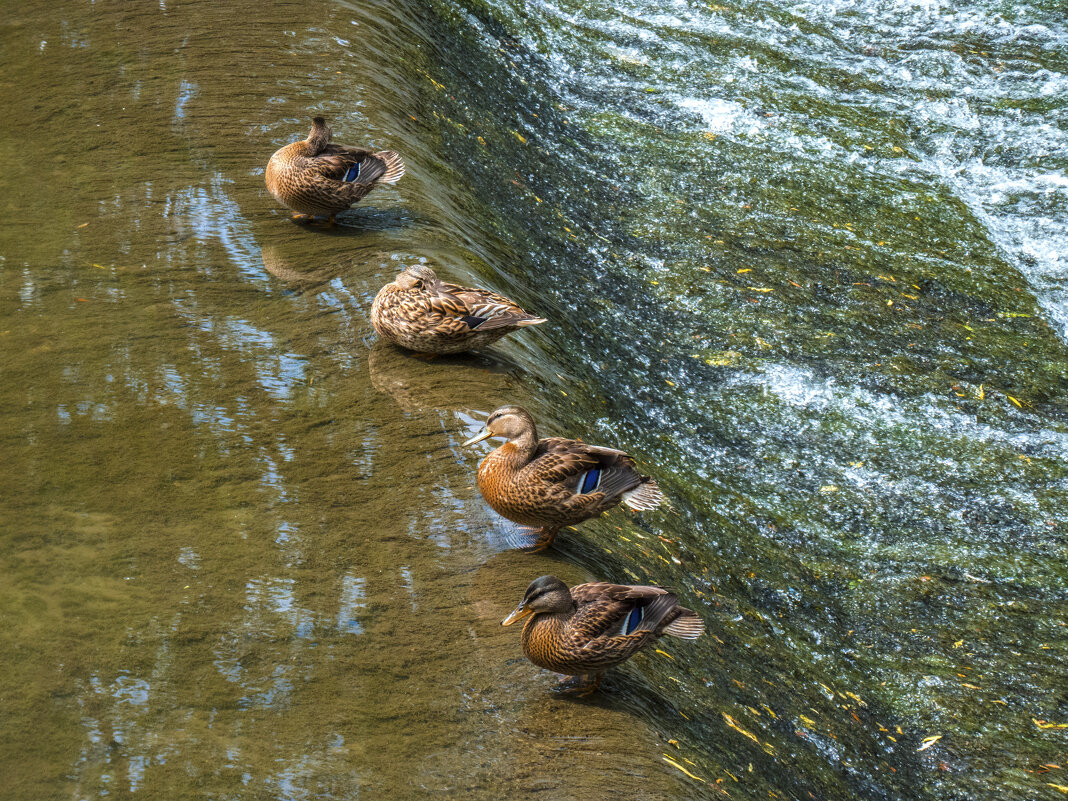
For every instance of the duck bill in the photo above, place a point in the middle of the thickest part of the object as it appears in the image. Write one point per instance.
(478, 438)
(519, 613)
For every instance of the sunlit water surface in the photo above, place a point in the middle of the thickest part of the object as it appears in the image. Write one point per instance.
(806, 261)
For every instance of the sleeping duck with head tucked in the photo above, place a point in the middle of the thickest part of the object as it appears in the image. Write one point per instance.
(316, 178)
(584, 630)
(555, 482)
(420, 312)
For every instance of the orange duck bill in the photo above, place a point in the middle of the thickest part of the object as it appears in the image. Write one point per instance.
(520, 612)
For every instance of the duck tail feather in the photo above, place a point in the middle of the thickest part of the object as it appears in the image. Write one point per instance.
(531, 321)
(687, 625)
(644, 497)
(394, 166)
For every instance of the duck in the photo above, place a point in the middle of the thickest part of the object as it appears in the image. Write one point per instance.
(420, 312)
(583, 630)
(555, 482)
(316, 178)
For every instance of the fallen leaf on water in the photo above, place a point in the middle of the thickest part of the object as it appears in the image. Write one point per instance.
(675, 764)
(828, 489)
(737, 728)
(1060, 787)
(665, 653)
(1042, 724)
(746, 270)
(519, 136)
(83, 225)
(1014, 401)
(929, 741)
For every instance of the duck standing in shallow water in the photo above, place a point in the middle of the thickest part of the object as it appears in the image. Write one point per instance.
(584, 630)
(420, 312)
(555, 482)
(316, 178)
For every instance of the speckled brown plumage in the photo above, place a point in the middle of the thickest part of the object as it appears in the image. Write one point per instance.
(555, 482)
(316, 178)
(587, 629)
(420, 312)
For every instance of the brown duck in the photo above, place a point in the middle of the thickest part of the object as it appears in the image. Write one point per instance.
(316, 178)
(420, 312)
(555, 482)
(584, 630)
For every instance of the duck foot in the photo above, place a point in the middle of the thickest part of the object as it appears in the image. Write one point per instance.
(544, 540)
(581, 686)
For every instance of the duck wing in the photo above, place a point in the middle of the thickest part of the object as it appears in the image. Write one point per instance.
(465, 309)
(611, 627)
(638, 606)
(594, 472)
(353, 165)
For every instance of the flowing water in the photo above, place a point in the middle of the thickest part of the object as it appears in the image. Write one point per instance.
(804, 260)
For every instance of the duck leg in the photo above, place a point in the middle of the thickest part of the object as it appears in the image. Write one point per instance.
(581, 686)
(544, 540)
(590, 686)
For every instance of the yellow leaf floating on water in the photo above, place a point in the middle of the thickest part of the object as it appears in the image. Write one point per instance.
(675, 764)
(739, 729)
(519, 136)
(1014, 401)
(828, 489)
(746, 270)
(1060, 787)
(761, 289)
(665, 653)
(929, 741)
(1042, 724)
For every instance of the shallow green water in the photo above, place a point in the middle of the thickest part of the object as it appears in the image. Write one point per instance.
(242, 553)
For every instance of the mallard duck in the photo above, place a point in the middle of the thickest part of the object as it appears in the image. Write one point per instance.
(584, 630)
(420, 312)
(555, 482)
(318, 179)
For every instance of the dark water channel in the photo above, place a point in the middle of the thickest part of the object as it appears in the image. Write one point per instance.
(805, 261)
